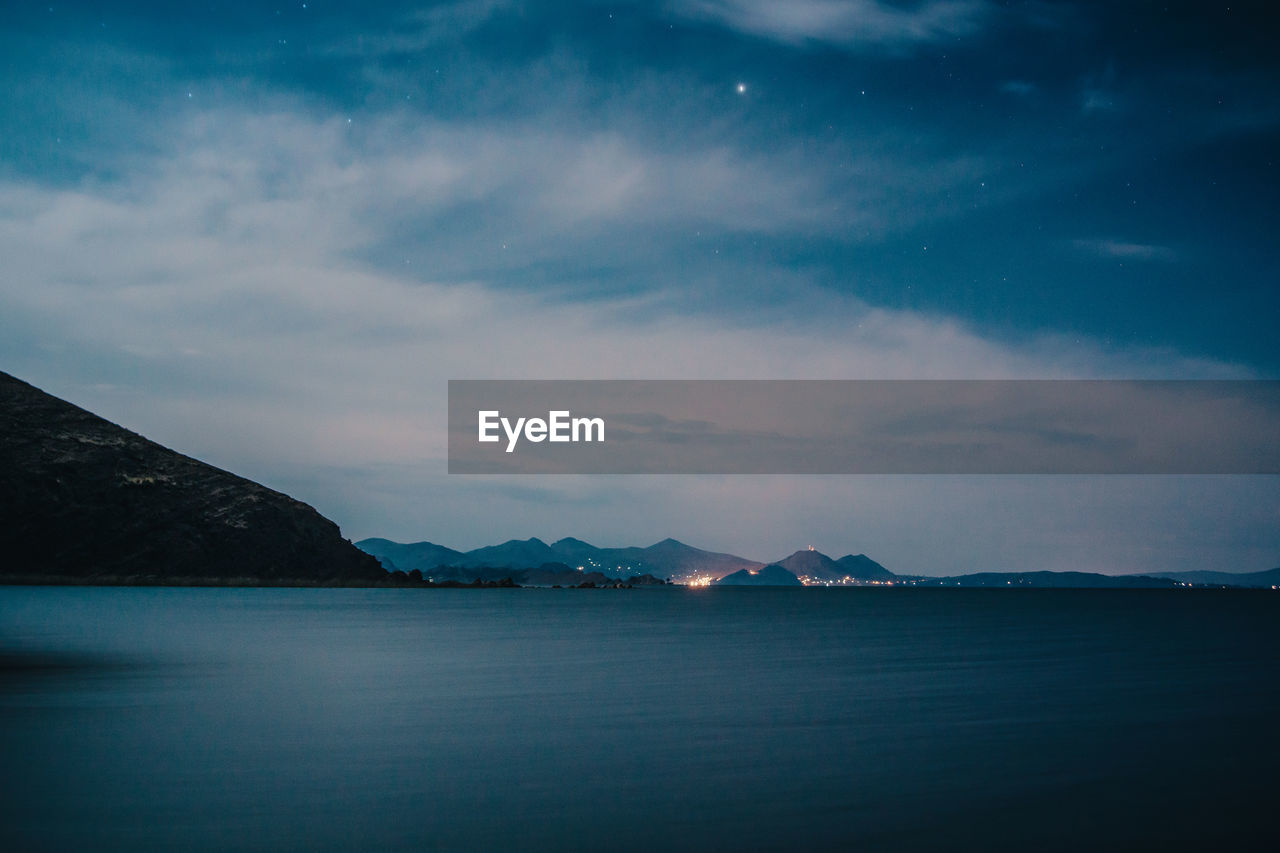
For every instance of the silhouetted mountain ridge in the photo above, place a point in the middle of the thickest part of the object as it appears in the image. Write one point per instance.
(864, 568)
(666, 559)
(770, 575)
(395, 556)
(82, 498)
(1256, 580)
(812, 564)
(672, 559)
(1051, 580)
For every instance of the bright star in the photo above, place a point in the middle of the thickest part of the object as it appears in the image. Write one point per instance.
(742, 87)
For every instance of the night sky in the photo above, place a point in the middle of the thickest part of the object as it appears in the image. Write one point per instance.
(265, 235)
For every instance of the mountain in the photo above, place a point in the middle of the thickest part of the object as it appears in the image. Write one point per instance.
(572, 550)
(406, 558)
(665, 559)
(613, 562)
(812, 564)
(817, 566)
(670, 558)
(1051, 580)
(683, 563)
(83, 498)
(770, 575)
(425, 556)
(558, 574)
(862, 567)
(553, 574)
(1264, 580)
(548, 574)
(514, 553)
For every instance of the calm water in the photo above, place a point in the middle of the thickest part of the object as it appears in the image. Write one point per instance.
(298, 719)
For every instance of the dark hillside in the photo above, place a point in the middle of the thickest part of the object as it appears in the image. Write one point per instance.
(82, 498)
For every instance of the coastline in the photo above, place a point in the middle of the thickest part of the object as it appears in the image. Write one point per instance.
(327, 583)
(248, 582)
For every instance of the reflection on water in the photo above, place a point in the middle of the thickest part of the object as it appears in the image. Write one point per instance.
(213, 719)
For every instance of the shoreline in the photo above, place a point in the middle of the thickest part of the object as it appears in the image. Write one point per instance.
(295, 583)
(249, 582)
(508, 583)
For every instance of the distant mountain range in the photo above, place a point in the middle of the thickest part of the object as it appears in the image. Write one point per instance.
(1051, 580)
(680, 563)
(812, 568)
(1093, 580)
(84, 500)
(1255, 580)
(816, 566)
(665, 559)
(668, 559)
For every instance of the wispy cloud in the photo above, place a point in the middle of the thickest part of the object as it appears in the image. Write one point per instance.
(1099, 101)
(1125, 250)
(229, 274)
(1099, 92)
(490, 197)
(848, 23)
(219, 302)
(423, 29)
(1021, 88)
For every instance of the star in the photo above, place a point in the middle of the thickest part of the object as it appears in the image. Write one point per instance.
(742, 88)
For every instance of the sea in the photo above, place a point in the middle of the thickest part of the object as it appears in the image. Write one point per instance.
(195, 719)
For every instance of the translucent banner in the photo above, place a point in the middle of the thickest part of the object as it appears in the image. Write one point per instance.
(864, 427)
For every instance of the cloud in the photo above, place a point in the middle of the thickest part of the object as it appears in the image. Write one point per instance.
(1099, 101)
(1099, 92)
(239, 297)
(497, 198)
(1124, 250)
(1021, 88)
(280, 273)
(850, 24)
(422, 29)
(236, 270)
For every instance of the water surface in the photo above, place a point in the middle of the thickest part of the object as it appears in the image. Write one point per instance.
(335, 719)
